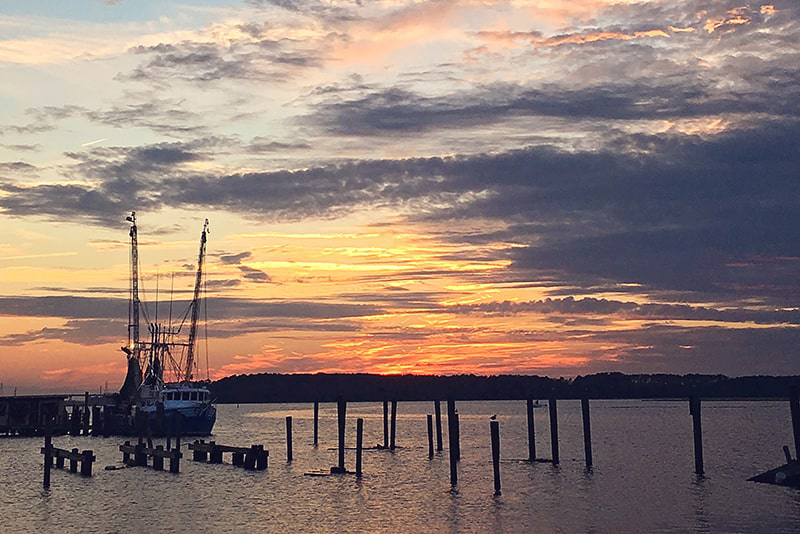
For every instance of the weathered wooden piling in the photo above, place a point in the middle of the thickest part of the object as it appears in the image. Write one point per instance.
(48, 456)
(253, 457)
(108, 412)
(587, 432)
(553, 429)
(794, 405)
(97, 422)
(385, 424)
(215, 455)
(73, 461)
(250, 457)
(316, 423)
(86, 459)
(531, 432)
(158, 461)
(394, 425)
(288, 438)
(75, 421)
(438, 410)
(453, 440)
(694, 410)
(359, 443)
(495, 430)
(430, 436)
(86, 413)
(341, 408)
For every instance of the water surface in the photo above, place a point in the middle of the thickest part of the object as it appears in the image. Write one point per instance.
(642, 481)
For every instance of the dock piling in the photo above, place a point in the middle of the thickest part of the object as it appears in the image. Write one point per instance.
(694, 410)
(452, 435)
(438, 410)
(359, 443)
(48, 456)
(341, 406)
(495, 430)
(531, 432)
(385, 424)
(394, 425)
(553, 429)
(587, 432)
(288, 438)
(430, 436)
(316, 423)
(794, 405)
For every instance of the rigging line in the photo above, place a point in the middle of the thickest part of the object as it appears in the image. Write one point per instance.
(205, 323)
(171, 294)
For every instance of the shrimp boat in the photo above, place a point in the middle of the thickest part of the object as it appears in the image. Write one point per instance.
(160, 380)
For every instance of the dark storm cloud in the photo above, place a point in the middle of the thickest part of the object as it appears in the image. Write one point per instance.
(718, 215)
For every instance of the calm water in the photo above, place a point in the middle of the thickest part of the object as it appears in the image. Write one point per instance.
(642, 481)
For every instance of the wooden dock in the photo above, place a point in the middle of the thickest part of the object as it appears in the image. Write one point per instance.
(252, 458)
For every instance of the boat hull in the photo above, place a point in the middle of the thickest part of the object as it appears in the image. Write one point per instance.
(188, 421)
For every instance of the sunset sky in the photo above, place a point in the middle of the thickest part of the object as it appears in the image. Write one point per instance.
(541, 187)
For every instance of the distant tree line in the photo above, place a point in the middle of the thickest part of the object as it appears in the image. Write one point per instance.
(270, 387)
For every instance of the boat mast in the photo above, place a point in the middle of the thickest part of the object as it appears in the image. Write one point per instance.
(187, 374)
(133, 311)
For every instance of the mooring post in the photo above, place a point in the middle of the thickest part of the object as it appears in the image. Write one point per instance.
(531, 432)
(73, 461)
(385, 424)
(288, 438)
(178, 430)
(250, 458)
(126, 456)
(794, 405)
(86, 413)
(430, 436)
(341, 408)
(97, 425)
(394, 425)
(553, 429)
(316, 423)
(495, 429)
(261, 459)
(108, 420)
(359, 443)
(175, 461)
(587, 432)
(451, 434)
(158, 460)
(48, 455)
(694, 410)
(74, 421)
(438, 410)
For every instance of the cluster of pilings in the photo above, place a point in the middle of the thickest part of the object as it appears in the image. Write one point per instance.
(56, 456)
(251, 458)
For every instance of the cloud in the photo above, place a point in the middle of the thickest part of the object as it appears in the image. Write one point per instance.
(254, 275)
(234, 259)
